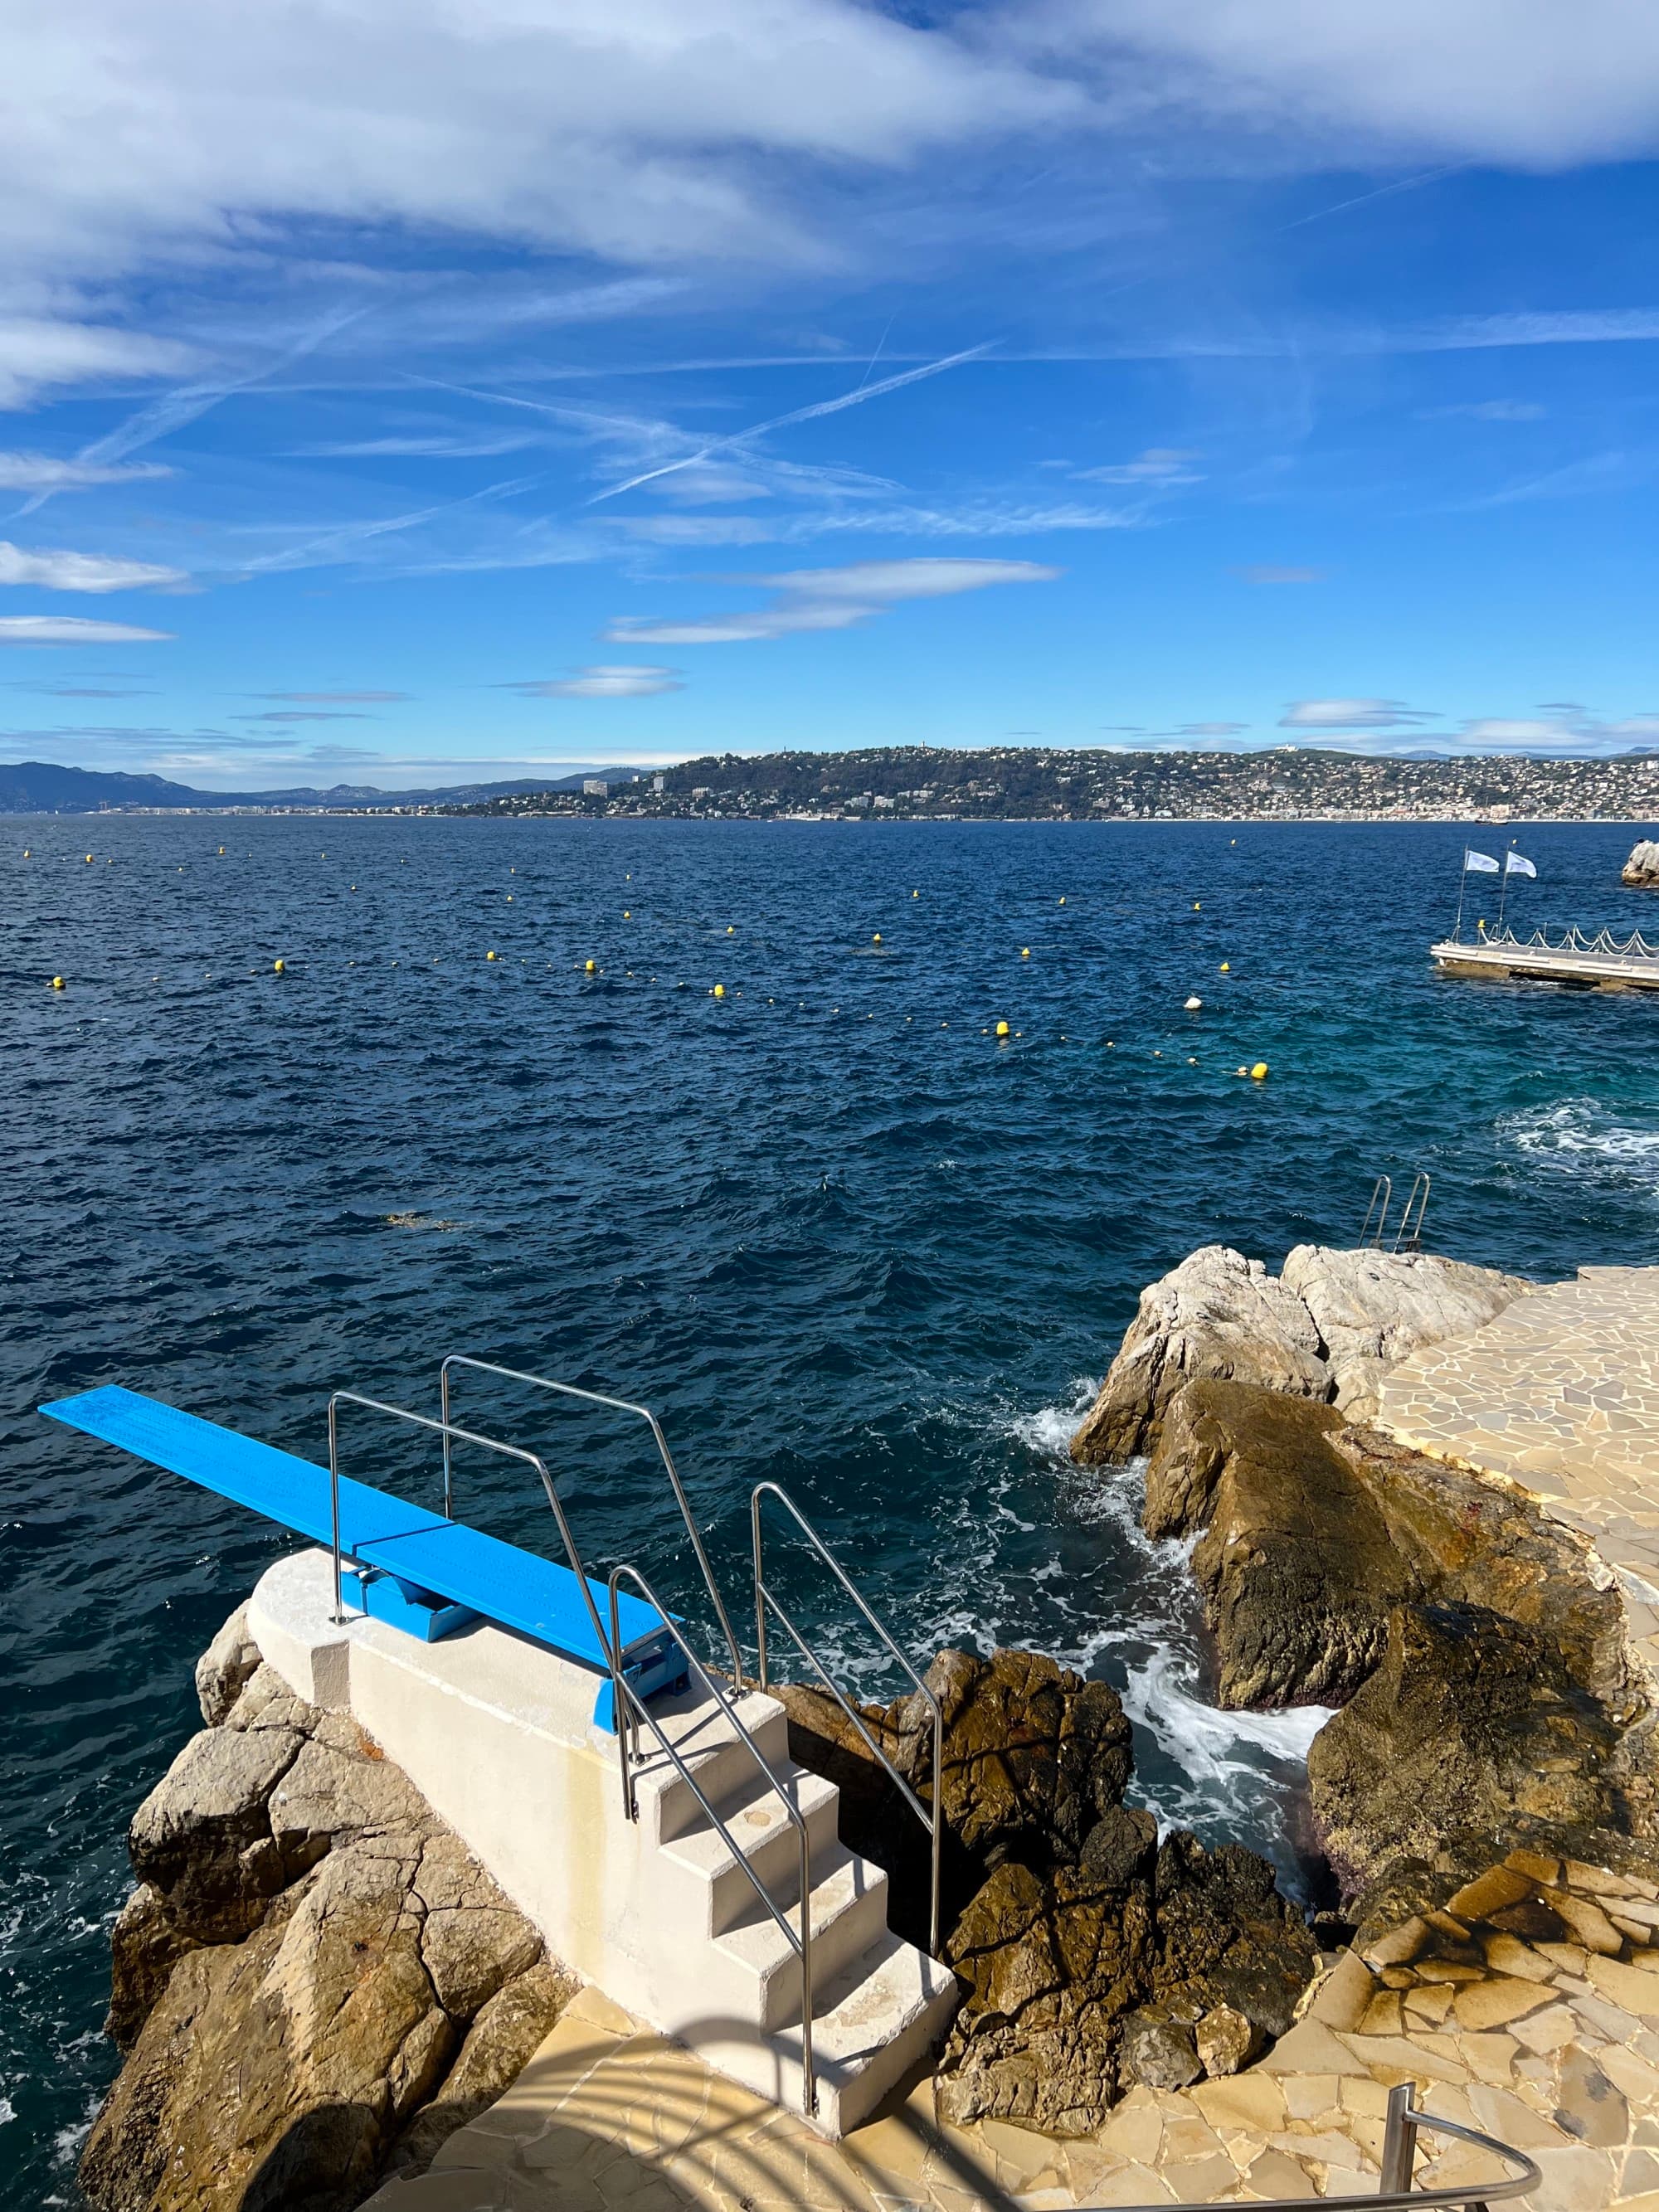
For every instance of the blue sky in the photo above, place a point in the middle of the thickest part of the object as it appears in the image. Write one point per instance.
(400, 393)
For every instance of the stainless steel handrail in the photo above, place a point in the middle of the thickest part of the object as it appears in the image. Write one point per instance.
(933, 1821)
(627, 1704)
(1406, 1238)
(470, 1436)
(620, 1406)
(1395, 2192)
(1382, 1189)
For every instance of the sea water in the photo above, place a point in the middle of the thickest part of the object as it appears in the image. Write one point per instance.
(827, 1225)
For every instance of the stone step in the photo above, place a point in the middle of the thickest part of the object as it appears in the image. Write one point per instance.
(850, 1915)
(722, 1764)
(759, 1825)
(871, 2022)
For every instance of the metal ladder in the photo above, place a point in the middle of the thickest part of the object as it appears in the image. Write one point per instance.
(1408, 1235)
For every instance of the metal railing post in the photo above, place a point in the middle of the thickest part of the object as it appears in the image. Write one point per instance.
(933, 1821)
(619, 1406)
(334, 1502)
(1399, 2141)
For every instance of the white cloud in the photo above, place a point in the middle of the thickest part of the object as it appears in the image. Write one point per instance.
(1522, 81)
(1349, 714)
(38, 354)
(63, 571)
(634, 682)
(1158, 464)
(26, 471)
(75, 629)
(831, 598)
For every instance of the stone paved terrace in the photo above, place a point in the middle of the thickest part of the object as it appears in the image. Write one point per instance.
(1548, 2038)
(1561, 1394)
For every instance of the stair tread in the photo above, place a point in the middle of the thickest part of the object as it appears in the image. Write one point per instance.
(865, 2007)
(699, 1730)
(754, 1819)
(841, 1884)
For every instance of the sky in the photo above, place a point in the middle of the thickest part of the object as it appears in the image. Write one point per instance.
(416, 393)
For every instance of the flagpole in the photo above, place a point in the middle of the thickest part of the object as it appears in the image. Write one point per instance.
(1504, 887)
(1462, 886)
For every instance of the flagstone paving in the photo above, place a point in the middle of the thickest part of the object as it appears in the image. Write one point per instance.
(1547, 2040)
(1561, 1394)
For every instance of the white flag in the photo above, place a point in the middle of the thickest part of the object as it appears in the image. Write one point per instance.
(1515, 865)
(1480, 864)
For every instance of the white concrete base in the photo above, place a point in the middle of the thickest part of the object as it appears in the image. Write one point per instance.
(658, 1913)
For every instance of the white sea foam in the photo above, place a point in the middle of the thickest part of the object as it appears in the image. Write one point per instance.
(1584, 1138)
(8, 2111)
(1049, 1429)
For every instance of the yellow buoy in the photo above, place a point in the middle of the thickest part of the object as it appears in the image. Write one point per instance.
(222, 848)
(627, 916)
(1226, 967)
(509, 898)
(490, 956)
(88, 858)
(1002, 1029)
(1260, 1070)
(57, 983)
(1025, 952)
(876, 939)
(1195, 906)
(279, 967)
(590, 966)
(913, 894)
(26, 852)
(1062, 901)
(730, 930)
(720, 990)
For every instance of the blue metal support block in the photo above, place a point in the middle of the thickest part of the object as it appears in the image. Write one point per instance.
(426, 1574)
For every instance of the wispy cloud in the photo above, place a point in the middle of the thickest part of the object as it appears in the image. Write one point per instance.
(1350, 714)
(1157, 466)
(26, 471)
(38, 353)
(338, 698)
(75, 629)
(831, 598)
(286, 714)
(63, 571)
(456, 445)
(631, 682)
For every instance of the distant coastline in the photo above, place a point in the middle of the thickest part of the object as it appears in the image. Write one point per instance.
(922, 783)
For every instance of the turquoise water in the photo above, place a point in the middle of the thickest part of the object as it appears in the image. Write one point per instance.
(829, 1238)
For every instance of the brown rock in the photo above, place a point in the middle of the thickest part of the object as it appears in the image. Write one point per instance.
(1471, 1721)
(499, 2045)
(202, 1838)
(1227, 2041)
(145, 1945)
(1217, 1314)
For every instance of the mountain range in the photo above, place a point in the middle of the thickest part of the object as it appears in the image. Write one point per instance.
(43, 787)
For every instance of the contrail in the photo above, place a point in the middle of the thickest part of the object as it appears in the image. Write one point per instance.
(1383, 193)
(191, 401)
(853, 399)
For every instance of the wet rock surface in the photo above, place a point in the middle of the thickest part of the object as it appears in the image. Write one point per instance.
(313, 1979)
(1641, 870)
(1092, 1957)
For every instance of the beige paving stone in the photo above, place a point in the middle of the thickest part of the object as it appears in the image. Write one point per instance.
(1311, 2096)
(1134, 2133)
(1135, 2185)
(1547, 2032)
(1489, 1892)
(1310, 2047)
(1253, 2101)
(1587, 1920)
(1574, 2181)
(1497, 2001)
(1640, 2172)
(1427, 2007)
(1277, 2174)
(1489, 2057)
(1508, 1955)
(1341, 1999)
(1200, 2180)
(1395, 2059)
(1631, 2074)
(1499, 2112)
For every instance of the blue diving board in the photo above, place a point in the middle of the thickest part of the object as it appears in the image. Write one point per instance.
(425, 1553)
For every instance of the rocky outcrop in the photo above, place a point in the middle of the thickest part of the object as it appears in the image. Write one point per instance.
(312, 1980)
(1313, 1532)
(1326, 1328)
(1093, 1957)
(1641, 870)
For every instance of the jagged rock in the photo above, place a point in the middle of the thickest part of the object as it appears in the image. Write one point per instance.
(1216, 1314)
(500, 2045)
(1157, 2049)
(1035, 1758)
(145, 1944)
(1226, 2041)
(1372, 1310)
(1296, 1568)
(1326, 1328)
(1641, 870)
(224, 1669)
(1225, 1936)
(1054, 1963)
(1471, 1724)
(303, 1956)
(1314, 1532)
(202, 1838)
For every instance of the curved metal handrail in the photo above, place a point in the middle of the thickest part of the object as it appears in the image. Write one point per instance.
(1395, 2192)
(1381, 1189)
(1406, 1238)
(620, 1406)
(470, 1436)
(933, 1821)
(630, 1709)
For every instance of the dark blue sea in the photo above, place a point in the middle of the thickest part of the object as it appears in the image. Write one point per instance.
(831, 1229)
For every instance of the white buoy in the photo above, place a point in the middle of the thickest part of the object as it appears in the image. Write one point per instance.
(1194, 1004)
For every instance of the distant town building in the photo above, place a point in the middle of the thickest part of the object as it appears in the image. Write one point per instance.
(660, 784)
(595, 786)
